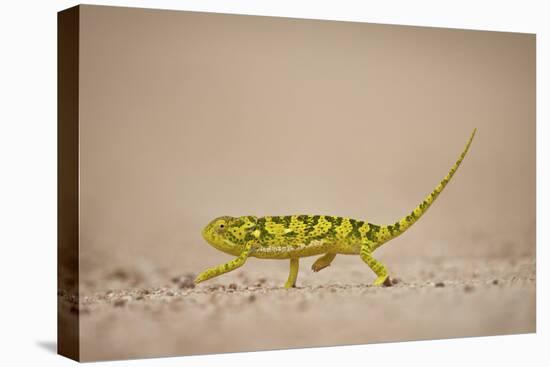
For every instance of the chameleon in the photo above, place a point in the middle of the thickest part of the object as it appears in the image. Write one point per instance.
(292, 237)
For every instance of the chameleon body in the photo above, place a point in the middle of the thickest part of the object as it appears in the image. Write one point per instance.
(294, 236)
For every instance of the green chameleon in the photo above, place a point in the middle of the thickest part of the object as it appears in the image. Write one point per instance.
(295, 236)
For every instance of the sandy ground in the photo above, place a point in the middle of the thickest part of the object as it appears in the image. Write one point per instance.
(248, 310)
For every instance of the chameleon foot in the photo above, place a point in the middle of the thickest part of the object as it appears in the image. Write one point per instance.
(317, 267)
(289, 285)
(383, 281)
(227, 267)
(322, 262)
(293, 274)
(202, 277)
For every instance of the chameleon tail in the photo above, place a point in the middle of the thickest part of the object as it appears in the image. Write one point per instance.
(389, 232)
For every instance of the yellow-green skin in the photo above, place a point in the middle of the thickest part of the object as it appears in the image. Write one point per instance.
(295, 236)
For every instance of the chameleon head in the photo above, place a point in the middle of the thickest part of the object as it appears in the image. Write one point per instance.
(228, 234)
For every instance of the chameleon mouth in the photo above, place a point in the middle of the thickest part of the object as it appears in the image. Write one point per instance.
(205, 232)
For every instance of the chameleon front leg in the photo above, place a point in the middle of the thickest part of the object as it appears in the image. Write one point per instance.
(293, 275)
(376, 266)
(225, 268)
(322, 262)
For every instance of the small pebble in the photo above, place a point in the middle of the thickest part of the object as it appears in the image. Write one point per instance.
(215, 287)
(233, 286)
(170, 293)
(119, 274)
(468, 288)
(119, 302)
(262, 280)
(187, 283)
(439, 284)
(251, 298)
(395, 280)
(495, 282)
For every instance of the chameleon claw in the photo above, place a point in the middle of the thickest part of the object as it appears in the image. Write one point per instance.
(382, 281)
(317, 267)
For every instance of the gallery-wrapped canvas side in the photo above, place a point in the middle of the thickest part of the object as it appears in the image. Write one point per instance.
(68, 188)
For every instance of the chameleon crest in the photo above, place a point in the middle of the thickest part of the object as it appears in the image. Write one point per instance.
(294, 236)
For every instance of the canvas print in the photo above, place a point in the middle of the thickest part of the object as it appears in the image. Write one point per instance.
(233, 183)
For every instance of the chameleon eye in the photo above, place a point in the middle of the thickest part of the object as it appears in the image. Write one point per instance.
(221, 225)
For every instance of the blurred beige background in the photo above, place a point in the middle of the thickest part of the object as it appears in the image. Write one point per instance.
(189, 116)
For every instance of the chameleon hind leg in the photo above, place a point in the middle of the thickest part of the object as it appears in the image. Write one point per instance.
(224, 268)
(293, 274)
(322, 262)
(383, 279)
